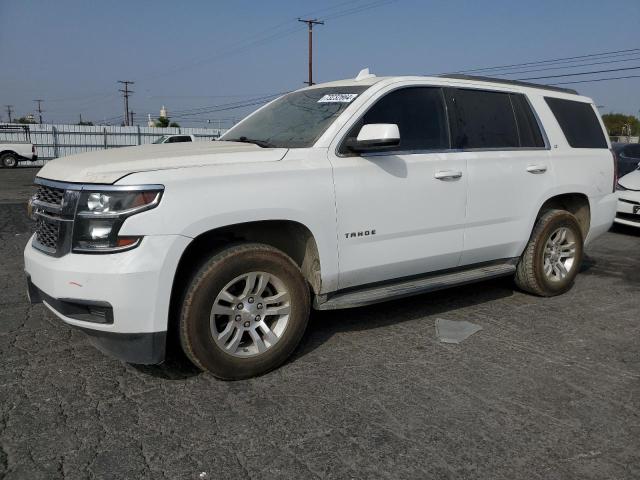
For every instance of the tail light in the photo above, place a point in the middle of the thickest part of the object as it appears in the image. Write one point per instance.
(614, 155)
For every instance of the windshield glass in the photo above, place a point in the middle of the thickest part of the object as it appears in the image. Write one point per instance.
(161, 139)
(295, 120)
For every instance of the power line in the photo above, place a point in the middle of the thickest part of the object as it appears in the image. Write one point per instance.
(126, 93)
(611, 53)
(205, 109)
(359, 9)
(224, 108)
(565, 67)
(581, 73)
(560, 63)
(597, 80)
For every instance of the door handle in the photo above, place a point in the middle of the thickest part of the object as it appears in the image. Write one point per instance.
(536, 169)
(448, 175)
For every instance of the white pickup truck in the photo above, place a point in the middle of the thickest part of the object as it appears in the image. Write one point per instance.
(337, 195)
(175, 139)
(11, 151)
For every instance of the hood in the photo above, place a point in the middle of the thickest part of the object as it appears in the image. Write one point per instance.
(631, 180)
(107, 166)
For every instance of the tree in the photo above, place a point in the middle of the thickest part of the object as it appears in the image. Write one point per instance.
(88, 124)
(616, 124)
(163, 122)
(26, 120)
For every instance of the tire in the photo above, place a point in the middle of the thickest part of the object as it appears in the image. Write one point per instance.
(222, 282)
(538, 270)
(9, 160)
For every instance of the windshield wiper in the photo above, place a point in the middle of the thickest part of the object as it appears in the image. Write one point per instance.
(243, 139)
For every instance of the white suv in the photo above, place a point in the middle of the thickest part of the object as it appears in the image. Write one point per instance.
(334, 196)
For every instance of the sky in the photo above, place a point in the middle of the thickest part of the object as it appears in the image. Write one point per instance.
(214, 55)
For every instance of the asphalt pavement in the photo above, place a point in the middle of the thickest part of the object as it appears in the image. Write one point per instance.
(548, 389)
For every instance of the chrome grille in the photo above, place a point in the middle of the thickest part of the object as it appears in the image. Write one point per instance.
(50, 195)
(47, 233)
(53, 209)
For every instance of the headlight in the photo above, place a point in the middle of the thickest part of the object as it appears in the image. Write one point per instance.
(100, 215)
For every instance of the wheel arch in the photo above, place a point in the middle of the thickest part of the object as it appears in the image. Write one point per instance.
(291, 237)
(576, 203)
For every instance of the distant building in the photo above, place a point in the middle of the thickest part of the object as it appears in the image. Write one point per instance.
(163, 112)
(625, 139)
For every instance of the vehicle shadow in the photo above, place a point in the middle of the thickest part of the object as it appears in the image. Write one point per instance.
(625, 230)
(323, 325)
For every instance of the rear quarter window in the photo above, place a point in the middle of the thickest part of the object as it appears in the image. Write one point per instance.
(578, 122)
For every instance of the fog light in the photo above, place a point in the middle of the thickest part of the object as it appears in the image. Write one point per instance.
(99, 232)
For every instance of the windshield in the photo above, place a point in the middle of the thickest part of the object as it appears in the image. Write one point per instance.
(161, 139)
(295, 120)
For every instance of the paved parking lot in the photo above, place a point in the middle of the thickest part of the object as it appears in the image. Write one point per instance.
(549, 389)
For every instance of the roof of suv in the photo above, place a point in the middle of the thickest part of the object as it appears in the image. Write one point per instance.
(471, 79)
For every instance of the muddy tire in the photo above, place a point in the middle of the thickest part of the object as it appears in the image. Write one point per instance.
(244, 311)
(553, 256)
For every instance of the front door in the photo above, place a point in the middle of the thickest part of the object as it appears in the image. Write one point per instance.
(401, 212)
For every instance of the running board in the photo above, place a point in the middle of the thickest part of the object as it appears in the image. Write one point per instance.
(405, 288)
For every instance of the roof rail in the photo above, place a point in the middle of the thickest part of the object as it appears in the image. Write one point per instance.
(509, 82)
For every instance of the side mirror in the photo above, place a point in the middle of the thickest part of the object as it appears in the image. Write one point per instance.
(375, 137)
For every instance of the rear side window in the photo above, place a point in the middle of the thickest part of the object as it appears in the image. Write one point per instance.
(179, 139)
(528, 129)
(419, 113)
(483, 120)
(578, 122)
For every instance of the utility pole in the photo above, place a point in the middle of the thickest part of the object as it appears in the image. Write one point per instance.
(126, 93)
(39, 110)
(9, 112)
(310, 23)
(131, 113)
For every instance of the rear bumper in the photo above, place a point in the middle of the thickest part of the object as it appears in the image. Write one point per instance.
(603, 211)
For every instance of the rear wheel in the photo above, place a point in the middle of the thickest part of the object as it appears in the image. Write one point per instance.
(551, 261)
(244, 312)
(9, 160)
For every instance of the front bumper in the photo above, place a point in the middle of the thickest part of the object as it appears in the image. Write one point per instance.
(628, 209)
(141, 348)
(121, 300)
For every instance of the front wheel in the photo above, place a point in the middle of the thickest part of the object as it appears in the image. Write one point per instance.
(9, 160)
(553, 256)
(244, 312)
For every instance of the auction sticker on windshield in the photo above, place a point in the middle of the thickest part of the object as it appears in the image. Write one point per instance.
(338, 98)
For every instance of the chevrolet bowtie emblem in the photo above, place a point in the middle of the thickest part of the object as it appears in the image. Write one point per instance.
(30, 208)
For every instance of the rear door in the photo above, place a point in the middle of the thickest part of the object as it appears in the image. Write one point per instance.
(400, 212)
(498, 135)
